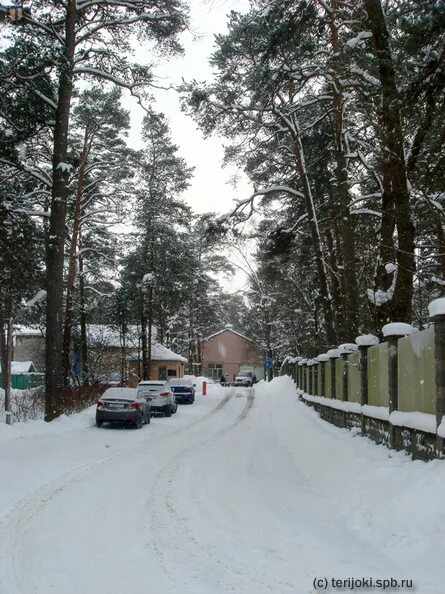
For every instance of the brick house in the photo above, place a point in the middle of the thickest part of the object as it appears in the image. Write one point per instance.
(228, 352)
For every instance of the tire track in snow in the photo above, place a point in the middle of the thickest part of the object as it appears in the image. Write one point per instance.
(15, 524)
(163, 486)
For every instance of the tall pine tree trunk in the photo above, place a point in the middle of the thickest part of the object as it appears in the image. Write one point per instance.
(56, 236)
(349, 308)
(394, 164)
(84, 366)
(72, 263)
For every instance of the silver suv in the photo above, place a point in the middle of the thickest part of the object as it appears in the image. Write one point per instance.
(159, 396)
(244, 378)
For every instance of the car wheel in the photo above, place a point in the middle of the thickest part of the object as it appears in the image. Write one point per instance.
(175, 409)
(99, 423)
(140, 423)
(149, 418)
(168, 412)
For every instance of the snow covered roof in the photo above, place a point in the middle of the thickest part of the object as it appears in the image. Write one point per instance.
(21, 330)
(228, 328)
(161, 353)
(21, 367)
(109, 336)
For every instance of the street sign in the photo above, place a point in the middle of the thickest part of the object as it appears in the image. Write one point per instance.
(269, 363)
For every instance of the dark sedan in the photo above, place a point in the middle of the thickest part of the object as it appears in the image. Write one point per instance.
(122, 405)
(183, 390)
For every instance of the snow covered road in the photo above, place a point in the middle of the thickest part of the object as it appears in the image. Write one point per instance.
(246, 491)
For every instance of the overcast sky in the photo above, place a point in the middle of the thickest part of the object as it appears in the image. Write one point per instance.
(211, 189)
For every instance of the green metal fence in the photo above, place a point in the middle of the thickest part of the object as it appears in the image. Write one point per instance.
(24, 381)
(416, 372)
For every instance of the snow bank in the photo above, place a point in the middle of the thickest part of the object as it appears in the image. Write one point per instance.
(376, 412)
(415, 420)
(198, 381)
(61, 425)
(276, 388)
(353, 407)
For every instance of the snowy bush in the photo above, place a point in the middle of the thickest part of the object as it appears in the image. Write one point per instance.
(27, 405)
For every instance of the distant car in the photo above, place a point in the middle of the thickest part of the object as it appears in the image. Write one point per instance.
(244, 378)
(122, 405)
(159, 395)
(183, 390)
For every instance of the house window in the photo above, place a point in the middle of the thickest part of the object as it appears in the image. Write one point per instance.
(171, 373)
(215, 372)
(162, 373)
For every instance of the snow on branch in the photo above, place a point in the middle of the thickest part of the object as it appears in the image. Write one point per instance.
(241, 204)
(98, 292)
(374, 213)
(33, 173)
(46, 99)
(38, 298)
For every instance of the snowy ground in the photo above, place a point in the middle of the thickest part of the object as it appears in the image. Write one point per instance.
(246, 491)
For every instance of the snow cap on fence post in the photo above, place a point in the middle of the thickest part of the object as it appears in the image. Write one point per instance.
(347, 348)
(322, 359)
(333, 354)
(392, 332)
(364, 342)
(436, 310)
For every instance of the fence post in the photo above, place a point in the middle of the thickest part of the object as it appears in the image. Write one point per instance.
(310, 375)
(302, 364)
(345, 350)
(392, 332)
(299, 374)
(365, 341)
(437, 315)
(322, 361)
(297, 371)
(333, 355)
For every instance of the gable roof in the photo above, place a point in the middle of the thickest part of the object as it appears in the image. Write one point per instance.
(18, 367)
(161, 353)
(228, 329)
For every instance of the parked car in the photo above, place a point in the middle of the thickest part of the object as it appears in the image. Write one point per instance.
(159, 395)
(122, 405)
(244, 378)
(183, 389)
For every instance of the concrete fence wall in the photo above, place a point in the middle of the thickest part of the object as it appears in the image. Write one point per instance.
(393, 391)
